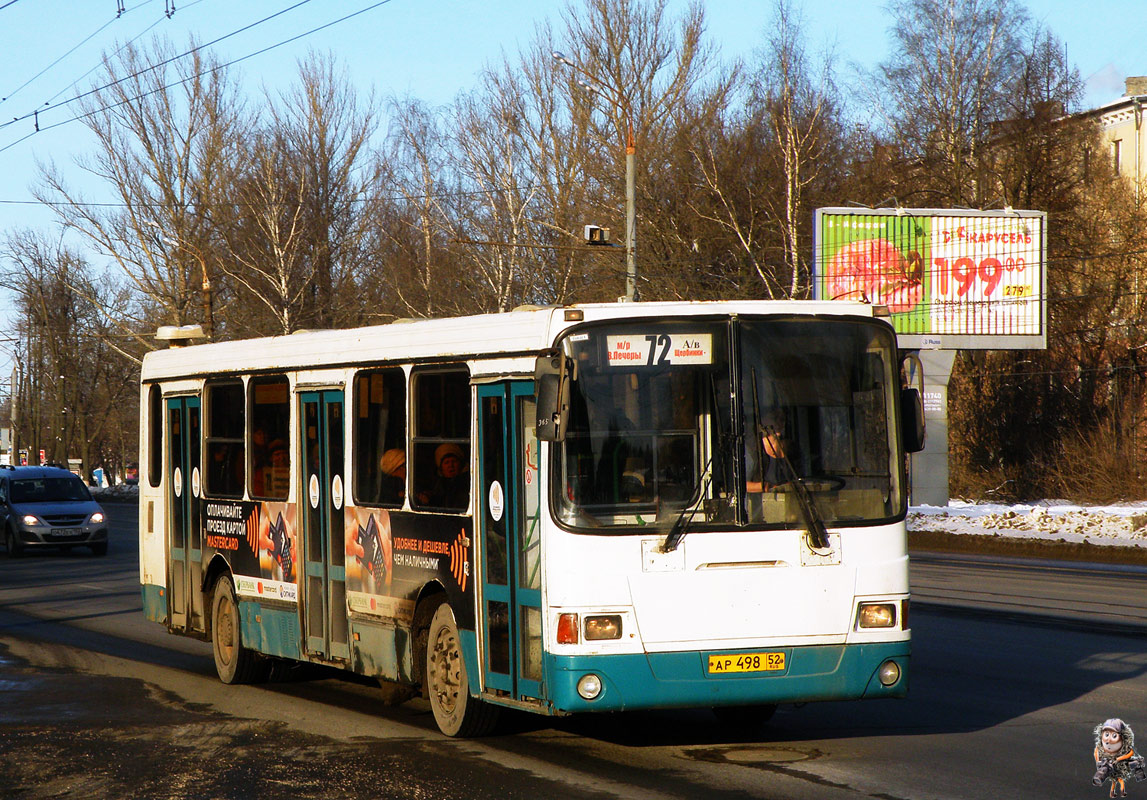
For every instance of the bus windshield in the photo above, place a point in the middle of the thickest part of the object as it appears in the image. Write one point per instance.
(720, 420)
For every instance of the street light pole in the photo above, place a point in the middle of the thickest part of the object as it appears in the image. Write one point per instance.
(208, 304)
(630, 178)
(630, 215)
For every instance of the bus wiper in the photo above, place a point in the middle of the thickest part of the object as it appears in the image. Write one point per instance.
(814, 525)
(681, 524)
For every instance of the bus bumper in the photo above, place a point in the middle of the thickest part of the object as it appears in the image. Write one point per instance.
(681, 680)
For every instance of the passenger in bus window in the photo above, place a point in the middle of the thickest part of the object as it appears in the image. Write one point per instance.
(763, 461)
(225, 475)
(451, 488)
(278, 473)
(258, 462)
(393, 465)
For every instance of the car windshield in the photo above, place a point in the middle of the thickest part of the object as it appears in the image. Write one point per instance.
(718, 419)
(49, 490)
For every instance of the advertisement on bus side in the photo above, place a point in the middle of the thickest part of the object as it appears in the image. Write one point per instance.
(392, 555)
(260, 542)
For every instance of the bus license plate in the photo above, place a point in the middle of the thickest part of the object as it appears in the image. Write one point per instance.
(746, 662)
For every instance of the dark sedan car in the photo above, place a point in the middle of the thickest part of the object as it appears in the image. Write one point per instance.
(49, 507)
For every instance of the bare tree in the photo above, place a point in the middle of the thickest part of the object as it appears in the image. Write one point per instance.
(952, 64)
(800, 111)
(72, 387)
(647, 68)
(266, 240)
(415, 243)
(326, 129)
(493, 162)
(166, 129)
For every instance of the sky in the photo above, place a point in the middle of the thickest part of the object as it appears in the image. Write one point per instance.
(428, 49)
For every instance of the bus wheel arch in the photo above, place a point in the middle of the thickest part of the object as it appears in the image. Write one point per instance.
(216, 568)
(429, 598)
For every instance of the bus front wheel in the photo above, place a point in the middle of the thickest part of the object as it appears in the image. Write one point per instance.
(233, 662)
(455, 711)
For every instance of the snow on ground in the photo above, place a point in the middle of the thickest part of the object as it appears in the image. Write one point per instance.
(1123, 525)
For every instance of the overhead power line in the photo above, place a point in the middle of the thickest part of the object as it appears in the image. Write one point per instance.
(190, 77)
(122, 47)
(152, 68)
(76, 47)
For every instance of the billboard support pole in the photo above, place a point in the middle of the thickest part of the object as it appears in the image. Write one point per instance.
(929, 468)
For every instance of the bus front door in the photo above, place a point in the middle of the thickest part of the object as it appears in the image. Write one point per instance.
(321, 495)
(508, 506)
(184, 531)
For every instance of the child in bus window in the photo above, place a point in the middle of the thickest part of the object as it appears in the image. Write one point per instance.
(451, 488)
(393, 465)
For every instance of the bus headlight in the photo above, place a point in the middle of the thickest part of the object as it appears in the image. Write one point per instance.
(603, 627)
(589, 686)
(876, 615)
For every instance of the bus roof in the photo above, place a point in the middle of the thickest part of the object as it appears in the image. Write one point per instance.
(522, 332)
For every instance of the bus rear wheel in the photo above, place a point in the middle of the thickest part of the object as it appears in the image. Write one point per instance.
(233, 662)
(447, 687)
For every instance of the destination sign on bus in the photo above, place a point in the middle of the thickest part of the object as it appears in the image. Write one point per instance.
(659, 349)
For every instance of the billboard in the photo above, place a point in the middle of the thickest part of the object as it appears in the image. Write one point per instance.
(952, 279)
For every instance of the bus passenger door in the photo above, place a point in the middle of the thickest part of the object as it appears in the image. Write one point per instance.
(508, 506)
(184, 529)
(324, 553)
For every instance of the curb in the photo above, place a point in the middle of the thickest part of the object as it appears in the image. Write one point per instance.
(1054, 550)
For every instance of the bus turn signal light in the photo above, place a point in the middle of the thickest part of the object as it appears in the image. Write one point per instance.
(567, 629)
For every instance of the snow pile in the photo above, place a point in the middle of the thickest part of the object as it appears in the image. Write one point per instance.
(1123, 525)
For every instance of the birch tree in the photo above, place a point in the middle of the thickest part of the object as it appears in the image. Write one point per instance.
(166, 126)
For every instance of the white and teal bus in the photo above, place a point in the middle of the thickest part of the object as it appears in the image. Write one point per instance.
(560, 510)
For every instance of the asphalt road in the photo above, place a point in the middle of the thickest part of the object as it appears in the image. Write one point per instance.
(96, 702)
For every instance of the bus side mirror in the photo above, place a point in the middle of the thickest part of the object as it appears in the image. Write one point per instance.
(551, 381)
(912, 420)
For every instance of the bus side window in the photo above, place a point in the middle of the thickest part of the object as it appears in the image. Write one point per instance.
(380, 437)
(441, 441)
(269, 453)
(224, 469)
(154, 435)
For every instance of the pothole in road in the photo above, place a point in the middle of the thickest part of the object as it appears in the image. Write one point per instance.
(750, 756)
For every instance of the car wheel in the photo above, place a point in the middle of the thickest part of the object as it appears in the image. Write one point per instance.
(15, 549)
(234, 662)
(447, 688)
(100, 549)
